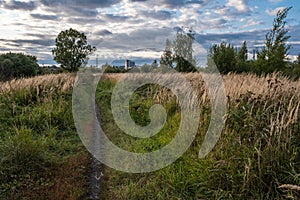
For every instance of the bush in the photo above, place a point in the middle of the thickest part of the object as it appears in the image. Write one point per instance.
(16, 65)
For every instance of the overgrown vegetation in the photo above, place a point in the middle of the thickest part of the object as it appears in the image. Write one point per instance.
(273, 57)
(16, 65)
(41, 156)
(257, 156)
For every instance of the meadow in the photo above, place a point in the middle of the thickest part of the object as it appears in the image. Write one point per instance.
(41, 155)
(256, 157)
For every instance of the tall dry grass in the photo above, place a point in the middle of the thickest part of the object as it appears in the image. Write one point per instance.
(61, 82)
(272, 85)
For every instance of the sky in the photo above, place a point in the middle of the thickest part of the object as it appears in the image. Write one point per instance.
(138, 29)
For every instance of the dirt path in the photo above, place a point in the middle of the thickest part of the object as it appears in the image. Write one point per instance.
(96, 175)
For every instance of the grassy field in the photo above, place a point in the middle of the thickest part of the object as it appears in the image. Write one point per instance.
(41, 155)
(256, 157)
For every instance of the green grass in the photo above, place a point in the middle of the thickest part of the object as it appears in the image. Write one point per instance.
(257, 153)
(37, 139)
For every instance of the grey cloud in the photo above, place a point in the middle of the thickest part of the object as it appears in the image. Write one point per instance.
(80, 8)
(91, 4)
(103, 32)
(180, 3)
(5, 49)
(86, 20)
(19, 5)
(73, 11)
(78, 11)
(96, 3)
(40, 35)
(160, 15)
(23, 42)
(147, 49)
(44, 17)
(136, 39)
(115, 18)
(173, 3)
(197, 2)
(216, 23)
(41, 42)
(233, 38)
(8, 43)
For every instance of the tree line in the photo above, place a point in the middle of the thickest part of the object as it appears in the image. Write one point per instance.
(273, 57)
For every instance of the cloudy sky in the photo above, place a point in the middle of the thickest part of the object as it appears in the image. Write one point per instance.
(139, 28)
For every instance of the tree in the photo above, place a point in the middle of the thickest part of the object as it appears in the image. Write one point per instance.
(183, 51)
(272, 57)
(242, 65)
(72, 50)
(154, 65)
(146, 68)
(242, 53)
(16, 65)
(167, 57)
(224, 57)
(298, 59)
(295, 72)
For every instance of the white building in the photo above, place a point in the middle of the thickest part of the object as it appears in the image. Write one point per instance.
(129, 64)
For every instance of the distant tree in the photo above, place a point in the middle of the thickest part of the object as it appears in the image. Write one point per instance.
(224, 57)
(242, 65)
(295, 71)
(183, 51)
(167, 57)
(16, 65)
(146, 68)
(72, 50)
(242, 54)
(273, 56)
(298, 59)
(154, 65)
(49, 70)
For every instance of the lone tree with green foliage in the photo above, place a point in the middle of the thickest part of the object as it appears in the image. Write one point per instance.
(72, 50)
(273, 56)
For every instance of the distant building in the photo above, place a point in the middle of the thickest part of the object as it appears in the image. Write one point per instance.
(129, 64)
